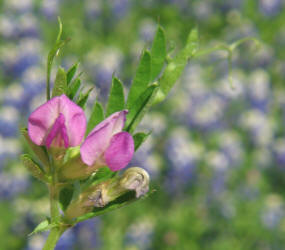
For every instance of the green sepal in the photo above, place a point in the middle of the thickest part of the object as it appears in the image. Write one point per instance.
(71, 72)
(45, 225)
(70, 153)
(83, 97)
(140, 107)
(176, 66)
(97, 115)
(141, 79)
(60, 84)
(102, 174)
(40, 151)
(116, 101)
(73, 88)
(33, 168)
(139, 138)
(158, 53)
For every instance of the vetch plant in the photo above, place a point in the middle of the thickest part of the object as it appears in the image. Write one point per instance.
(79, 159)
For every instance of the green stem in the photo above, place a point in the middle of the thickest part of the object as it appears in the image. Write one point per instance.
(54, 209)
(56, 230)
(52, 239)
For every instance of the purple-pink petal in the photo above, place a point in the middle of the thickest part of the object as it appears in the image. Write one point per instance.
(116, 122)
(120, 151)
(58, 133)
(71, 129)
(100, 137)
(95, 144)
(75, 120)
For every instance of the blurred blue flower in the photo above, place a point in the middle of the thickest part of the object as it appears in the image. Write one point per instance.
(50, 8)
(203, 10)
(101, 66)
(219, 163)
(279, 151)
(8, 26)
(10, 148)
(119, 8)
(87, 234)
(18, 6)
(93, 8)
(28, 26)
(231, 146)
(12, 184)
(153, 122)
(260, 127)
(36, 242)
(273, 211)
(147, 30)
(182, 156)
(139, 235)
(259, 92)
(9, 118)
(66, 241)
(16, 60)
(146, 159)
(270, 8)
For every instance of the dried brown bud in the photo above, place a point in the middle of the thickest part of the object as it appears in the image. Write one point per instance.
(137, 179)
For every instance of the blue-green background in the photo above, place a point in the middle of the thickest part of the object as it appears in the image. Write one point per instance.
(216, 155)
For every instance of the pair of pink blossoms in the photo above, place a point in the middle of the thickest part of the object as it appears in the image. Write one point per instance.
(61, 123)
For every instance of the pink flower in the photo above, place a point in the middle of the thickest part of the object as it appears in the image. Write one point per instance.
(108, 145)
(57, 123)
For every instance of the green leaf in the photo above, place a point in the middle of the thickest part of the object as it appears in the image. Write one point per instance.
(103, 174)
(140, 107)
(158, 53)
(97, 115)
(139, 138)
(176, 66)
(43, 226)
(65, 197)
(71, 72)
(123, 200)
(34, 169)
(51, 55)
(40, 151)
(83, 97)
(141, 79)
(73, 88)
(60, 85)
(76, 190)
(69, 194)
(59, 30)
(116, 100)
